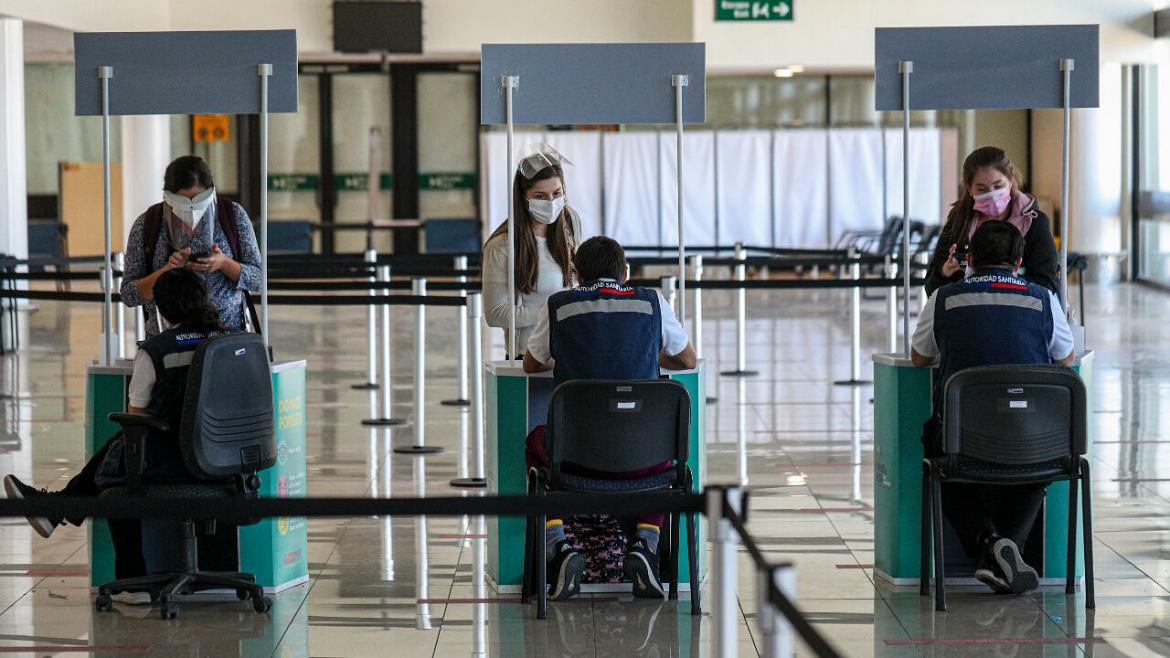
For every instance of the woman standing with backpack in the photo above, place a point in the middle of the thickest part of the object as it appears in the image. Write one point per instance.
(192, 228)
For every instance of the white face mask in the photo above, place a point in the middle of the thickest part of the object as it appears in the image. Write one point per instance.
(546, 211)
(190, 211)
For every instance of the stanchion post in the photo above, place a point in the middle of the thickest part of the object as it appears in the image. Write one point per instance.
(740, 317)
(461, 400)
(854, 322)
(1066, 68)
(890, 270)
(371, 260)
(777, 632)
(474, 313)
(905, 68)
(666, 285)
(105, 73)
(724, 639)
(386, 388)
(420, 447)
(697, 306)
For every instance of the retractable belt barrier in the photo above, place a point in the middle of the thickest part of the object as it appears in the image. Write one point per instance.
(725, 508)
(276, 300)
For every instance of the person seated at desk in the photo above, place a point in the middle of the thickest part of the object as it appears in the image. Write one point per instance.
(157, 388)
(604, 329)
(993, 317)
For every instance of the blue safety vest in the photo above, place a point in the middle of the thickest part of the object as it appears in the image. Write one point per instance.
(605, 330)
(991, 318)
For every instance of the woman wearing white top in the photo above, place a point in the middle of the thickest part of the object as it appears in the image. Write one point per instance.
(547, 230)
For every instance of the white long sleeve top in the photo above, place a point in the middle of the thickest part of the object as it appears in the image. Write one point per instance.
(496, 297)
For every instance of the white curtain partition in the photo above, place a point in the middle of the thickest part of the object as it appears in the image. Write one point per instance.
(785, 188)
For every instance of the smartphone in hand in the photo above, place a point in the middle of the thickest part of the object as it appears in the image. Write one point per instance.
(201, 256)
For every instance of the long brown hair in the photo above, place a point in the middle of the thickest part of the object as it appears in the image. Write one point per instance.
(963, 211)
(561, 241)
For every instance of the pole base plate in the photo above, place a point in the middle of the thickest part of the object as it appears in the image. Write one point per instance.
(365, 387)
(469, 483)
(459, 402)
(739, 373)
(852, 382)
(383, 422)
(418, 450)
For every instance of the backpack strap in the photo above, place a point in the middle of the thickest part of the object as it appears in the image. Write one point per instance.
(225, 217)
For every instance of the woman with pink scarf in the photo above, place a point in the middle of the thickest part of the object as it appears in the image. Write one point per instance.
(991, 192)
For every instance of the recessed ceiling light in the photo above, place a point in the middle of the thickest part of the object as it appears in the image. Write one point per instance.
(782, 73)
(796, 68)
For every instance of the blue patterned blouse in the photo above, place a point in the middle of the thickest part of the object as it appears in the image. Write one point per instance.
(226, 295)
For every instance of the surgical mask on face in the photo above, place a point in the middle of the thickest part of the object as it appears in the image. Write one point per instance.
(546, 211)
(993, 203)
(190, 211)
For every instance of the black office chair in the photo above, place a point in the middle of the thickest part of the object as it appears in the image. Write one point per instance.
(617, 426)
(1009, 425)
(226, 437)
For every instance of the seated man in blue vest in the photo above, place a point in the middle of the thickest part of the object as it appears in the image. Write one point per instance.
(604, 329)
(993, 317)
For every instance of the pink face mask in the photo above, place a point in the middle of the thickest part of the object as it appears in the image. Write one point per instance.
(993, 203)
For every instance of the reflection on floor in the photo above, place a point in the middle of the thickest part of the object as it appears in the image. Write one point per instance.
(381, 587)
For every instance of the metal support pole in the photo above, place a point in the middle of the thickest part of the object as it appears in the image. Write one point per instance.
(474, 313)
(105, 73)
(420, 447)
(265, 72)
(1066, 67)
(725, 635)
(855, 324)
(479, 588)
(678, 82)
(891, 269)
(510, 83)
(371, 260)
(461, 400)
(422, 559)
(906, 68)
(120, 266)
(777, 632)
(740, 318)
(386, 388)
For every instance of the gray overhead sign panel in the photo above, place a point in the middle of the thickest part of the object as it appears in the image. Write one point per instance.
(185, 72)
(606, 83)
(973, 68)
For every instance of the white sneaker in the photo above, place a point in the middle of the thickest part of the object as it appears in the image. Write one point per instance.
(132, 598)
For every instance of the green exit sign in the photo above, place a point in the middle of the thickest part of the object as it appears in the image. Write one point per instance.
(753, 10)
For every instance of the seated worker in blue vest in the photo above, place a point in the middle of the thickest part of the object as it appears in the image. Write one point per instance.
(157, 387)
(993, 317)
(604, 329)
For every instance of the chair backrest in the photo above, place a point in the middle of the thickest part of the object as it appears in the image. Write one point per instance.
(45, 237)
(227, 426)
(290, 236)
(618, 426)
(451, 236)
(1015, 415)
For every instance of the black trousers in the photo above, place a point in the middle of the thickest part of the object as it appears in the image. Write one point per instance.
(126, 534)
(979, 512)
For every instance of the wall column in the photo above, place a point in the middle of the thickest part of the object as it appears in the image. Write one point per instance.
(146, 152)
(13, 175)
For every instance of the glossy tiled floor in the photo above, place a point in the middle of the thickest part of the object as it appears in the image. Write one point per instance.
(372, 592)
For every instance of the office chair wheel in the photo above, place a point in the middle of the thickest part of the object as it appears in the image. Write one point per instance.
(169, 610)
(243, 594)
(262, 604)
(103, 603)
